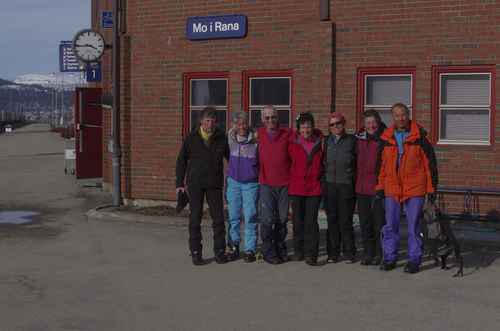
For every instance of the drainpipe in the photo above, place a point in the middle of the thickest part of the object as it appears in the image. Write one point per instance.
(324, 10)
(116, 149)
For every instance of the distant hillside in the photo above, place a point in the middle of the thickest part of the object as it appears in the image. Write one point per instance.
(34, 98)
(5, 82)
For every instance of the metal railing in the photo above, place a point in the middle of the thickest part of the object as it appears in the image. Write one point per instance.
(470, 201)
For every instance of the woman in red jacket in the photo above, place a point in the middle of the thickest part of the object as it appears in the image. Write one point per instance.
(370, 207)
(306, 154)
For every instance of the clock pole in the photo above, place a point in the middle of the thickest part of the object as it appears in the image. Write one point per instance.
(116, 153)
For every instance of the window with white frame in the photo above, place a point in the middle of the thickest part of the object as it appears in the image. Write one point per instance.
(275, 91)
(382, 91)
(208, 92)
(464, 108)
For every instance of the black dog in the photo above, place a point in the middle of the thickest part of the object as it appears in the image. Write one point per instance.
(440, 238)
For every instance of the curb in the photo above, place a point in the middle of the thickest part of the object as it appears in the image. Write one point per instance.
(108, 213)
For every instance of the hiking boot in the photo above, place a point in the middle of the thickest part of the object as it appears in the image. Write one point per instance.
(250, 257)
(272, 260)
(221, 258)
(197, 258)
(411, 268)
(283, 257)
(350, 259)
(312, 261)
(388, 266)
(297, 257)
(332, 259)
(234, 253)
(367, 261)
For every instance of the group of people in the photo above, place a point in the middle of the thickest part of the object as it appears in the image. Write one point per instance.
(382, 169)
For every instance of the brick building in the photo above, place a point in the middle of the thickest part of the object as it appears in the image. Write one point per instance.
(440, 57)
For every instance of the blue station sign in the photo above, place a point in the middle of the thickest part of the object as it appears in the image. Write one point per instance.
(107, 19)
(216, 27)
(67, 58)
(93, 72)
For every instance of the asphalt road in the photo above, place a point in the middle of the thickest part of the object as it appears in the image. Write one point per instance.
(68, 272)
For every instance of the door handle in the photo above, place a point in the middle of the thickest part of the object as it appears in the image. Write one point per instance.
(83, 126)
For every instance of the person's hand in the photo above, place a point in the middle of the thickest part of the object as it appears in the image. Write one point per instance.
(431, 197)
(380, 195)
(180, 189)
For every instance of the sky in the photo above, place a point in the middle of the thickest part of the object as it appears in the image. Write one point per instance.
(30, 32)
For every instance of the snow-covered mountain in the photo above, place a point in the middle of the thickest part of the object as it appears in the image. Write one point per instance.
(66, 81)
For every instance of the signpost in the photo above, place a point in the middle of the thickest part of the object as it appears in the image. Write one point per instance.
(67, 59)
(216, 27)
(107, 19)
(93, 72)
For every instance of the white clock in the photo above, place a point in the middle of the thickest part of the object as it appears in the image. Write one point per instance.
(88, 45)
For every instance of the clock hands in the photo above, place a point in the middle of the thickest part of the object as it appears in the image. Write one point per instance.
(87, 45)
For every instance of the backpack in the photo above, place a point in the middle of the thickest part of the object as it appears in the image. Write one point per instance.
(432, 227)
(439, 237)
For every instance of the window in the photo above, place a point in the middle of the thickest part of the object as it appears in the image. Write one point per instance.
(463, 105)
(268, 88)
(380, 88)
(202, 90)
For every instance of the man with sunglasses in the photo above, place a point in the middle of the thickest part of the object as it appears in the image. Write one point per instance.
(274, 170)
(339, 193)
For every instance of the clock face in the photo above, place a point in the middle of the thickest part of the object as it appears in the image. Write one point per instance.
(88, 45)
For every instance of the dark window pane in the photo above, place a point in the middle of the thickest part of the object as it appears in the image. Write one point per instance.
(208, 92)
(270, 91)
(220, 120)
(283, 115)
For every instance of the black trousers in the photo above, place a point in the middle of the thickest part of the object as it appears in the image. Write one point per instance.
(216, 207)
(305, 225)
(339, 203)
(371, 219)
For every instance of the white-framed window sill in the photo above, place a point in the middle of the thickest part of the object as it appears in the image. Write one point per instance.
(463, 143)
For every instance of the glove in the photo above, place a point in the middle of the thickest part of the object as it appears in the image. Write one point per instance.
(380, 195)
(431, 197)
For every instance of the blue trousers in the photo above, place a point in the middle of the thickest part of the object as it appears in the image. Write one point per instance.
(390, 231)
(242, 197)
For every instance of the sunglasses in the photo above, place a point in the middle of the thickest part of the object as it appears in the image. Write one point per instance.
(267, 118)
(337, 124)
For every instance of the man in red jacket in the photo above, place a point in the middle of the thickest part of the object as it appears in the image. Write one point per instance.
(274, 170)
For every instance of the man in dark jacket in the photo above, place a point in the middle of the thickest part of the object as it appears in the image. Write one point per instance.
(202, 158)
(340, 173)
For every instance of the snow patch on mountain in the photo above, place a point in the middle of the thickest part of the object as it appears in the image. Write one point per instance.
(61, 81)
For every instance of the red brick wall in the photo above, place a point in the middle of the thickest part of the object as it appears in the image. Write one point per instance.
(420, 34)
(281, 35)
(288, 35)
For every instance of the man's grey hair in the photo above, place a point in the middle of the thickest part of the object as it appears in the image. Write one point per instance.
(240, 115)
(268, 107)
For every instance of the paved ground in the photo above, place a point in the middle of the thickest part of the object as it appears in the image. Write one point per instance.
(70, 272)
